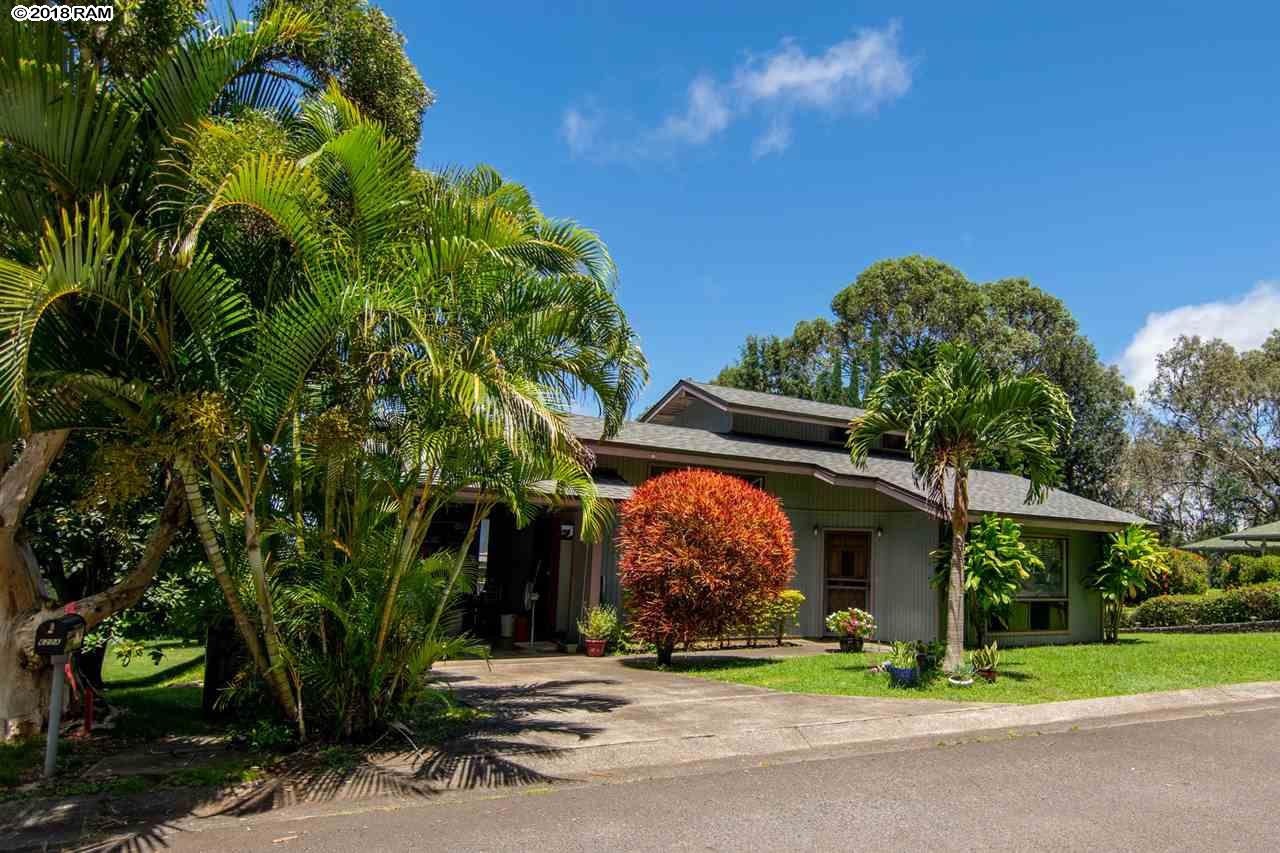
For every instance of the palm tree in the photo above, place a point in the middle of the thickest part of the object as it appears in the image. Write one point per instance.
(445, 307)
(95, 304)
(957, 414)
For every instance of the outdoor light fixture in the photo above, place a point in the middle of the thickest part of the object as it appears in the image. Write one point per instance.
(815, 530)
(879, 532)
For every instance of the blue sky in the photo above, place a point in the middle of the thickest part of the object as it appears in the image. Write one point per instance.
(745, 161)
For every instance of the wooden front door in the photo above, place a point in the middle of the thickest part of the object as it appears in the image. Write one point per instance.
(848, 571)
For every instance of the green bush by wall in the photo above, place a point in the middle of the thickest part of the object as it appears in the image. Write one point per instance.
(1242, 604)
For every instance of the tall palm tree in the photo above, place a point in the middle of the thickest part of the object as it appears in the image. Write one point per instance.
(957, 413)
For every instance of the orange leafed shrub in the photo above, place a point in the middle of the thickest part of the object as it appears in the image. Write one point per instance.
(697, 547)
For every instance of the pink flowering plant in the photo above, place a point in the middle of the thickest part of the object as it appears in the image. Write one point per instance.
(852, 623)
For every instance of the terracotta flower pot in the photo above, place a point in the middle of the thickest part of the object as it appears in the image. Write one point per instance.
(595, 648)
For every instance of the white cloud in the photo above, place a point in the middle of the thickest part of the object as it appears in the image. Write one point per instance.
(705, 115)
(579, 130)
(774, 140)
(1244, 323)
(862, 72)
(859, 74)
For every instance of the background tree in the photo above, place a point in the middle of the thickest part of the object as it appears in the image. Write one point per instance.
(809, 364)
(895, 305)
(1206, 458)
(364, 54)
(957, 412)
(698, 548)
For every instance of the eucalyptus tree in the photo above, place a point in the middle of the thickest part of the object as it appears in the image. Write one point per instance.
(958, 413)
(96, 306)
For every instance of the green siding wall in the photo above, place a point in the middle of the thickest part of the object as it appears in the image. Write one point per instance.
(905, 605)
(1084, 606)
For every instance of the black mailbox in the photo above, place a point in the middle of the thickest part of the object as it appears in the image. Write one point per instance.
(61, 635)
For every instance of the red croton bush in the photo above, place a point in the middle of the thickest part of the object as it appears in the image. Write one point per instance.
(697, 547)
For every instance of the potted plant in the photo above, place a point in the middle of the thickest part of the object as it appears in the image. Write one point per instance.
(853, 626)
(928, 654)
(962, 677)
(985, 660)
(902, 667)
(597, 626)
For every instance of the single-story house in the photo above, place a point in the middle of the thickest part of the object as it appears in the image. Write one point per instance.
(863, 535)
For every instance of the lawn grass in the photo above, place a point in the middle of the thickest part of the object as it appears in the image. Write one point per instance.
(161, 698)
(1139, 663)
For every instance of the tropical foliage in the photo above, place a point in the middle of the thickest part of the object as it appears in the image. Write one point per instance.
(697, 548)
(1133, 559)
(996, 563)
(958, 413)
(317, 345)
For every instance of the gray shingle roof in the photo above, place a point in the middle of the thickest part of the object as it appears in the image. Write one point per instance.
(989, 491)
(776, 402)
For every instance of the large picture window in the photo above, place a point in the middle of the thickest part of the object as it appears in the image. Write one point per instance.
(1050, 581)
(1042, 604)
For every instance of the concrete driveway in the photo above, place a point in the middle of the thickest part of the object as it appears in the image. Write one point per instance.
(561, 716)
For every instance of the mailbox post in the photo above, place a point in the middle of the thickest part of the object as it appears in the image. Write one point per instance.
(55, 639)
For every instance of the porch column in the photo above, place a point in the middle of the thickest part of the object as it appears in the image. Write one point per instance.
(595, 563)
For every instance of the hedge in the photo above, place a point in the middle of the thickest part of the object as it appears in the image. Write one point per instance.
(1245, 570)
(1242, 604)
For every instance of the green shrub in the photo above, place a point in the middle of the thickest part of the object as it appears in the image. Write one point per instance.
(767, 617)
(599, 623)
(1242, 604)
(1245, 570)
(1186, 574)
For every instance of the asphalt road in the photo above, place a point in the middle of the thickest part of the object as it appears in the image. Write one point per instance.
(1205, 783)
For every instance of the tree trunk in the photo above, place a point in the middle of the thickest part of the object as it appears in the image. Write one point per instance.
(275, 674)
(28, 688)
(666, 649)
(213, 553)
(955, 587)
(24, 677)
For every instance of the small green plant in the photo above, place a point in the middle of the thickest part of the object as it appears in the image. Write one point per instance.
(339, 758)
(987, 658)
(268, 736)
(903, 655)
(964, 671)
(599, 623)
